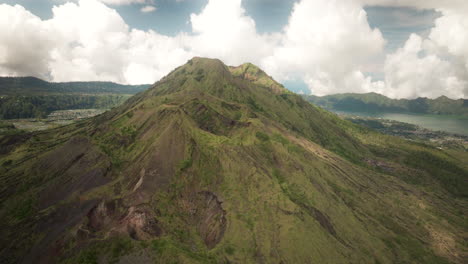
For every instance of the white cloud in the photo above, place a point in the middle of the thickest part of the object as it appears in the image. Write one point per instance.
(122, 2)
(434, 66)
(222, 30)
(148, 9)
(422, 4)
(84, 41)
(24, 43)
(327, 44)
(91, 42)
(410, 73)
(451, 32)
(152, 56)
(114, 2)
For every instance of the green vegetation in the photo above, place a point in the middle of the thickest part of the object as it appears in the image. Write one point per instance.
(250, 72)
(262, 136)
(22, 208)
(88, 257)
(185, 164)
(29, 86)
(29, 97)
(120, 247)
(113, 248)
(15, 107)
(228, 168)
(7, 129)
(447, 173)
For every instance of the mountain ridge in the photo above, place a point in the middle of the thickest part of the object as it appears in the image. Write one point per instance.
(208, 166)
(380, 103)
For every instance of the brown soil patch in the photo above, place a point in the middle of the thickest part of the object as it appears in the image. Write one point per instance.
(207, 214)
(443, 243)
(140, 223)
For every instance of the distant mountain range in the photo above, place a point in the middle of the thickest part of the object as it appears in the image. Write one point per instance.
(30, 97)
(373, 102)
(28, 86)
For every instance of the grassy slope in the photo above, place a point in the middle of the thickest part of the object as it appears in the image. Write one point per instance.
(296, 183)
(380, 103)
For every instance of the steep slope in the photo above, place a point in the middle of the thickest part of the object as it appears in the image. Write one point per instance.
(373, 102)
(222, 165)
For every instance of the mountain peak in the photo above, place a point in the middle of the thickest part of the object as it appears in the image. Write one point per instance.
(443, 97)
(213, 76)
(204, 60)
(207, 63)
(256, 75)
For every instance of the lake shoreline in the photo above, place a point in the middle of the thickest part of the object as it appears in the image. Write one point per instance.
(455, 124)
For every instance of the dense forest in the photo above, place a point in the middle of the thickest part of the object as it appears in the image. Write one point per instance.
(34, 86)
(30, 97)
(13, 107)
(373, 102)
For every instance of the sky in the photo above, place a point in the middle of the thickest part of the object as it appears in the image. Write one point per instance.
(399, 48)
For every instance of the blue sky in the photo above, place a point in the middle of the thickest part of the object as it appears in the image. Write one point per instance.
(342, 52)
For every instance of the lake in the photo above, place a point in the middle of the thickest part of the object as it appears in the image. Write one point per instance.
(448, 123)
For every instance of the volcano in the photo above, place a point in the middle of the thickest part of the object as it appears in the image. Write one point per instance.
(219, 164)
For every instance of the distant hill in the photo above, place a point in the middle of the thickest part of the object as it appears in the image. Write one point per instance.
(30, 97)
(373, 102)
(34, 86)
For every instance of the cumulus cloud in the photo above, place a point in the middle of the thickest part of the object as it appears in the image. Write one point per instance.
(91, 42)
(437, 65)
(410, 74)
(24, 43)
(115, 2)
(152, 56)
(123, 2)
(222, 30)
(148, 9)
(422, 4)
(451, 32)
(83, 41)
(327, 44)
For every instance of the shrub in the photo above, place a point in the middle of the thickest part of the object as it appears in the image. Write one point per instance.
(262, 136)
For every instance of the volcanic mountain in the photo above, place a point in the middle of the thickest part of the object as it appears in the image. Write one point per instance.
(218, 164)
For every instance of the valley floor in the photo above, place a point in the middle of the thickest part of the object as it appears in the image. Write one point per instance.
(54, 119)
